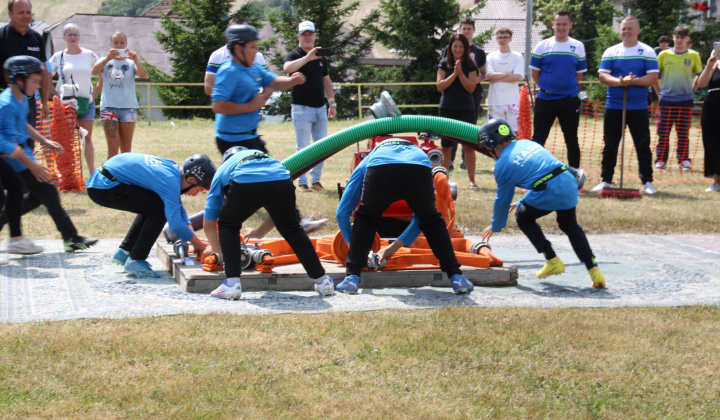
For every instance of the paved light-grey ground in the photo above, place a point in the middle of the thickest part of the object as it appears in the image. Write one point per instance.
(641, 270)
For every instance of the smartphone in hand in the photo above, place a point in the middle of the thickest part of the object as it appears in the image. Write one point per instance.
(325, 52)
(717, 50)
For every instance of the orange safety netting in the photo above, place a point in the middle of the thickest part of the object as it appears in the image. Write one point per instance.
(66, 168)
(590, 137)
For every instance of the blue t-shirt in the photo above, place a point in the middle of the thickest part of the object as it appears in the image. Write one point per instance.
(237, 83)
(118, 89)
(559, 63)
(620, 61)
(161, 176)
(385, 153)
(13, 128)
(256, 170)
(521, 163)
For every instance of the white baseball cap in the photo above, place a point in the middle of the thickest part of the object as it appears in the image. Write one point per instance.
(306, 26)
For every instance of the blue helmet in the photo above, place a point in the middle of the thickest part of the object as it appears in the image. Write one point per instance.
(231, 151)
(23, 66)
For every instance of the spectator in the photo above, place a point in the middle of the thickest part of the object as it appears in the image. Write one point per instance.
(221, 55)
(246, 181)
(477, 54)
(411, 173)
(628, 69)
(150, 187)
(74, 65)
(678, 67)
(235, 98)
(505, 69)
(309, 114)
(558, 64)
(457, 79)
(710, 77)
(16, 38)
(118, 101)
(552, 188)
(24, 75)
(663, 44)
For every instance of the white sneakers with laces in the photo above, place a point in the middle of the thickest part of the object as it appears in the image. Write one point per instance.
(713, 188)
(648, 188)
(325, 286)
(24, 246)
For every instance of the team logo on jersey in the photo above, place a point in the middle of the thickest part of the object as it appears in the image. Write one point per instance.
(504, 130)
(687, 62)
(572, 48)
(640, 51)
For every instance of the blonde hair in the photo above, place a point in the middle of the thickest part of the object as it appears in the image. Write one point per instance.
(70, 27)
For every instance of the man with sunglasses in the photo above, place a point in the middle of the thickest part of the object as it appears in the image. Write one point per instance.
(150, 187)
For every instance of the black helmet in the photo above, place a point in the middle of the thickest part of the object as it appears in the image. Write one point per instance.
(22, 65)
(493, 133)
(201, 167)
(231, 151)
(240, 34)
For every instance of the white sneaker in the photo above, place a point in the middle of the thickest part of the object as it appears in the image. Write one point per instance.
(326, 286)
(3, 256)
(227, 292)
(24, 246)
(648, 188)
(660, 165)
(714, 188)
(686, 165)
(312, 225)
(601, 186)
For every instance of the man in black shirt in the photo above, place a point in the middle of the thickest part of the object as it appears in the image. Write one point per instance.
(16, 38)
(309, 113)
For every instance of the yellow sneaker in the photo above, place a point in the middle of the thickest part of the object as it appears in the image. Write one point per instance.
(598, 279)
(551, 268)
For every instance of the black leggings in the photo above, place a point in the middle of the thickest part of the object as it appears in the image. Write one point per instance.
(567, 221)
(385, 184)
(45, 193)
(148, 223)
(256, 144)
(11, 207)
(278, 198)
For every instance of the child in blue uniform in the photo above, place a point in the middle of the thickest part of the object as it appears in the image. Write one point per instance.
(25, 76)
(246, 181)
(552, 188)
(151, 187)
(235, 98)
(395, 170)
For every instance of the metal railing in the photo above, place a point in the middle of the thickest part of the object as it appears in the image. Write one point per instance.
(360, 107)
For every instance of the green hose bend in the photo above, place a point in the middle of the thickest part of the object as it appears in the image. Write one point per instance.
(301, 161)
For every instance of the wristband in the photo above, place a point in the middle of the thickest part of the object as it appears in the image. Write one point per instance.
(334, 104)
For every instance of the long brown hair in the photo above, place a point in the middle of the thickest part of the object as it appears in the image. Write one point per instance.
(465, 59)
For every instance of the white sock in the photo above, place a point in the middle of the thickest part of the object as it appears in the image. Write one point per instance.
(320, 280)
(232, 281)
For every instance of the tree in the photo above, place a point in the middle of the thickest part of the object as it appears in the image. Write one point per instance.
(659, 18)
(588, 17)
(349, 44)
(418, 30)
(190, 40)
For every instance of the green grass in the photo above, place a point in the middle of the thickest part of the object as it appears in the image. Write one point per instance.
(446, 363)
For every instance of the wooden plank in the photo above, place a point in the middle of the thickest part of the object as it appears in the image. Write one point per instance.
(290, 277)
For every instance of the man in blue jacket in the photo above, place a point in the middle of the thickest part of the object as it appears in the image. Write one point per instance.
(151, 187)
(552, 188)
(247, 180)
(395, 170)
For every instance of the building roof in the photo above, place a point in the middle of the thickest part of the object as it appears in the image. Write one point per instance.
(95, 31)
(160, 9)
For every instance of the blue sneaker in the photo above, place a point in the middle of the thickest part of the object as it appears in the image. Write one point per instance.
(460, 284)
(119, 257)
(140, 268)
(349, 285)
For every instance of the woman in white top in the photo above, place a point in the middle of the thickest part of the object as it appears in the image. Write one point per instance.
(74, 66)
(119, 104)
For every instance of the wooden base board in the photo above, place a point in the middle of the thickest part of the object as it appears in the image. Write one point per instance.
(192, 279)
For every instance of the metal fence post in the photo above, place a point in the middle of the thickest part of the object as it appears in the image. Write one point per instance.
(360, 101)
(149, 110)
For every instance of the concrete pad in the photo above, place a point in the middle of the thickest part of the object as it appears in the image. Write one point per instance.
(641, 270)
(192, 279)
